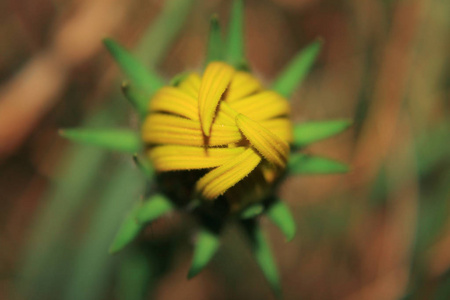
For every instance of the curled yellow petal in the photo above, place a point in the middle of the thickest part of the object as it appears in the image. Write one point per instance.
(215, 81)
(273, 148)
(191, 85)
(217, 181)
(242, 85)
(171, 157)
(172, 100)
(262, 106)
(281, 127)
(169, 129)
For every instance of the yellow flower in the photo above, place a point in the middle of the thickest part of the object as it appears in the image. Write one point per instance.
(225, 123)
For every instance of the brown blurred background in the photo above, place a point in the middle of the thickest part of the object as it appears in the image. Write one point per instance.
(380, 232)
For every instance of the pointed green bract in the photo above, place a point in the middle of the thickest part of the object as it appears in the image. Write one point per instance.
(263, 256)
(310, 132)
(235, 52)
(215, 44)
(300, 163)
(141, 213)
(144, 79)
(206, 246)
(292, 76)
(111, 139)
(137, 97)
(144, 165)
(156, 206)
(252, 211)
(280, 214)
(128, 231)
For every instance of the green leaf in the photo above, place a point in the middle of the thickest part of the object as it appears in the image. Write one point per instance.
(215, 44)
(310, 132)
(235, 52)
(163, 31)
(138, 97)
(148, 81)
(111, 139)
(252, 211)
(263, 255)
(156, 206)
(129, 230)
(144, 166)
(300, 163)
(292, 76)
(280, 214)
(207, 244)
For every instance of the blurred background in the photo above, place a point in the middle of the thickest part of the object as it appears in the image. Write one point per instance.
(382, 231)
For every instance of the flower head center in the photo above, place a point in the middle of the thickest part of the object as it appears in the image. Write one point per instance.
(224, 122)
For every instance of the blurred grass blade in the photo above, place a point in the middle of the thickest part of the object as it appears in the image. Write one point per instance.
(292, 76)
(252, 211)
(128, 231)
(153, 208)
(300, 163)
(263, 255)
(162, 32)
(280, 214)
(310, 132)
(134, 276)
(92, 265)
(215, 44)
(139, 75)
(144, 166)
(205, 248)
(111, 139)
(235, 49)
(138, 98)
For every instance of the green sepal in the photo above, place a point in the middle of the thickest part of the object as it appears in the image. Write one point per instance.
(252, 211)
(206, 246)
(311, 132)
(128, 231)
(140, 214)
(300, 163)
(137, 97)
(177, 79)
(140, 76)
(292, 76)
(215, 43)
(111, 139)
(280, 215)
(235, 49)
(144, 165)
(156, 206)
(263, 255)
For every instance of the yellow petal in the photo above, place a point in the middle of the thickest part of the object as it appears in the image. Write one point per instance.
(215, 81)
(191, 85)
(168, 129)
(172, 100)
(273, 148)
(242, 85)
(282, 127)
(169, 158)
(225, 114)
(217, 181)
(262, 106)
